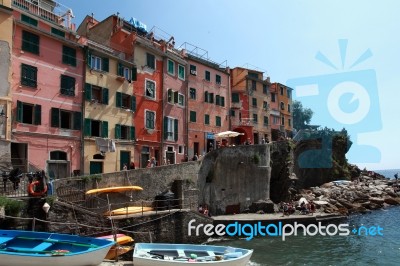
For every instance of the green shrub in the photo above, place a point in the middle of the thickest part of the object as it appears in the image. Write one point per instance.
(11, 207)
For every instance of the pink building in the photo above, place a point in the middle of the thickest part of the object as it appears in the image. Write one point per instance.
(47, 78)
(208, 103)
(174, 104)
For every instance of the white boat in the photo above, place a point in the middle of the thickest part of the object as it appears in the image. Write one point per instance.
(27, 248)
(154, 254)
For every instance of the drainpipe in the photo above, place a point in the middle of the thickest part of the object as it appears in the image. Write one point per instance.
(82, 165)
(186, 120)
(161, 160)
(229, 98)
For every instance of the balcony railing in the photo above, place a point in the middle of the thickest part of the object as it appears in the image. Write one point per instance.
(48, 10)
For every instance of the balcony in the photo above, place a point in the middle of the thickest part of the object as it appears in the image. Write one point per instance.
(236, 105)
(48, 10)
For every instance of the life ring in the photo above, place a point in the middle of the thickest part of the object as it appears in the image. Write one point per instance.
(31, 189)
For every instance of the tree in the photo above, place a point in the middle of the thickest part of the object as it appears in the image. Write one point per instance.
(301, 116)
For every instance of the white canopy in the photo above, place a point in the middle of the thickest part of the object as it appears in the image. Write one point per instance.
(228, 134)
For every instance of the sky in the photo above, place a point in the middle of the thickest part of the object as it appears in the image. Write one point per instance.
(341, 57)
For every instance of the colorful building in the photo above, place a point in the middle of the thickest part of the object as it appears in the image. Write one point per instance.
(284, 101)
(6, 30)
(110, 103)
(275, 114)
(208, 102)
(174, 103)
(47, 78)
(250, 105)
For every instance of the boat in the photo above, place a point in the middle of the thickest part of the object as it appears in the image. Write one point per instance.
(154, 254)
(128, 210)
(114, 189)
(27, 248)
(117, 249)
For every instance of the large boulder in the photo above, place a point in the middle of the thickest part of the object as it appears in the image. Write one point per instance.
(392, 201)
(267, 206)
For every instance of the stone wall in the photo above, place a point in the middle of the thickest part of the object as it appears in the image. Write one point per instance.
(231, 178)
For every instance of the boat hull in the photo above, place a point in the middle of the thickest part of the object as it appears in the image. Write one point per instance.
(213, 255)
(27, 248)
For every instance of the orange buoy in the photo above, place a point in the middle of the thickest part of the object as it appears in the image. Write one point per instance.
(31, 189)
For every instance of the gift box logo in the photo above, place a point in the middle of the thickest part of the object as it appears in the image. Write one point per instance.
(348, 99)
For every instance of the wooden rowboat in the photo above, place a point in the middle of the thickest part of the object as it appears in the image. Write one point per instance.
(27, 248)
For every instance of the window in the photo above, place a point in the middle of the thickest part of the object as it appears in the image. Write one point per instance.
(150, 119)
(29, 20)
(124, 132)
(288, 108)
(255, 118)
(181, 99)
(275, 120)
(265, 89)
(96, 94)
(125, 101)
(96, 128)
(150, 89)
(273, 96)
(172, 96)
(95, 62)
(220, 100)
(58, 155)
(207, 75)
(28, 75)
(289, 93)
(126, 72)
(28, 113)
(181, 72)
(253, 75)
(218, 121)
(206, 119)
(208, 97)
(69, 56)
(235, 97)
(30, 42)
(192, 116)
(171, 67)
(282, 106)
(266, 121)
(232, 112)
(58, 32)
(193, 70)
(282, 120)
(67, 85)
(150, 61)
(254, 102)
(217, 79)
(180, 149)
(289, 122)
(253, 85)
(170, 128)
(192, 93)
(281, 90)
(265, 105)
(65, 119)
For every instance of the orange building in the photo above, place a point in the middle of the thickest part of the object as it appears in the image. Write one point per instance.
(283, 97)
(250, 105)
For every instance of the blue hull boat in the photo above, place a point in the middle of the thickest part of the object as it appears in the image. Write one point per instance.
(26, 248)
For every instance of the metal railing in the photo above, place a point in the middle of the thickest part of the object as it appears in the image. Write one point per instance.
(48, 10)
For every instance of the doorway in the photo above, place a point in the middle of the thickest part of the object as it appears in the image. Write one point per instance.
(96, 167)
(124, 158)
(195, 148)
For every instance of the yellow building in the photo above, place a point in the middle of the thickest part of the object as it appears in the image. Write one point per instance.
(6, 30)
(109, 105)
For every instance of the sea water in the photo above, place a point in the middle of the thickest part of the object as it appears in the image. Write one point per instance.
(333, 250)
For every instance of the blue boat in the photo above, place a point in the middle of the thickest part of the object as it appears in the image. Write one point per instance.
(153, 254)
(26, 248)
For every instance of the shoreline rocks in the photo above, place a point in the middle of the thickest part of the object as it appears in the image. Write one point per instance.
(363, 194)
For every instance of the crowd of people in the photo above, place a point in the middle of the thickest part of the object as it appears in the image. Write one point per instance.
(304, 207)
